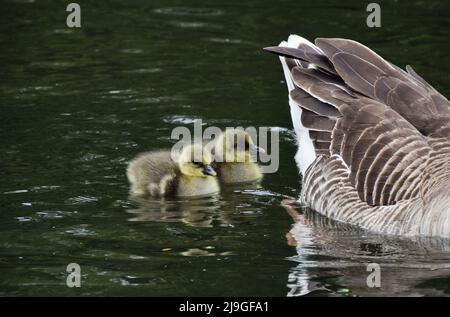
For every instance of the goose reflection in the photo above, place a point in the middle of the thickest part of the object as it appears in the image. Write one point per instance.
(339, 254)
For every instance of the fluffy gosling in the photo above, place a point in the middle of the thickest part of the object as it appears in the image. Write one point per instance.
(233, 157)
(157, 174)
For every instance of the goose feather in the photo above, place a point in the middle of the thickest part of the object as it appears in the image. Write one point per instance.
(377, 138)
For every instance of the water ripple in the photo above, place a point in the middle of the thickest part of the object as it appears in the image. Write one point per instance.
(79, 200)
(176, 119)
(187, 11)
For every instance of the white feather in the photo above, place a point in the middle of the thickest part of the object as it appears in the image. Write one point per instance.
(305, 154)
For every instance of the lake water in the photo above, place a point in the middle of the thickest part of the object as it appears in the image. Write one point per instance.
(78, 104)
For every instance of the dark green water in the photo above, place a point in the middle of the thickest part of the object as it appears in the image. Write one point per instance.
(77, 104)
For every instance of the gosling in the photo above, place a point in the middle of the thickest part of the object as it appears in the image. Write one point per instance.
(233, 159)
(157, 174)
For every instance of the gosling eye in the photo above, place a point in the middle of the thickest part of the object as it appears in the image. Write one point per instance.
(198, 164)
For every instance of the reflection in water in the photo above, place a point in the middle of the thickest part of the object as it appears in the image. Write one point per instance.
(200, 252)
(235, 205)
(198, 212)
(332, 258)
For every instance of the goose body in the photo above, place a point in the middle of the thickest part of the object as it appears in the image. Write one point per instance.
(157, 174)
(374, 140)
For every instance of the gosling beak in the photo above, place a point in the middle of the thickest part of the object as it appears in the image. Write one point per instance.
(208, 170)
(256, 149)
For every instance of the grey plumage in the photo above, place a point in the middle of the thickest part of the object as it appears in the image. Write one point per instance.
(149, 169)
(304, 53)
(381, 137)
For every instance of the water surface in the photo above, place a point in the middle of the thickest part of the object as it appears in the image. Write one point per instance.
(77, 104)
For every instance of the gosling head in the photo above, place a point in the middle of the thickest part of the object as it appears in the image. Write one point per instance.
(195, 161)
(235, 146)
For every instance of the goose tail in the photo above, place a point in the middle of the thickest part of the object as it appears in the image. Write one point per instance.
(306, 153)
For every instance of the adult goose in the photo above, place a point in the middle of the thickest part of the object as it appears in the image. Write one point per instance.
(374, 140)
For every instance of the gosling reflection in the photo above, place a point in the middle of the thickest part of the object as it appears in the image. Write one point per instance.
(339, 254)
(235, 205)
(198, 212)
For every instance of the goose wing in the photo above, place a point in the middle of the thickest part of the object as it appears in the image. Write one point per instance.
(369, 113)
(405, 92)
